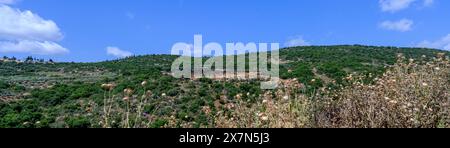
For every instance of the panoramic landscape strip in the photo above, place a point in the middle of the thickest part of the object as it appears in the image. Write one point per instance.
(209, 73)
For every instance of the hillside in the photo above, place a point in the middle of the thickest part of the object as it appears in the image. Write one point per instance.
(71, 94)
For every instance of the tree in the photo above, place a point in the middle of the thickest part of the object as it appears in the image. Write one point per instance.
(29, 59)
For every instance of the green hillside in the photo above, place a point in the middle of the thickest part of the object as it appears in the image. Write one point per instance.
(37, 94)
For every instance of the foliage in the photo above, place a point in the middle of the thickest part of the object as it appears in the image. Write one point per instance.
(4, 85)
(42, 94)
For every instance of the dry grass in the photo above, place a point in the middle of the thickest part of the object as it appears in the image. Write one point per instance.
(272, 112)
(409, 95)
(284, 108)
(126, 112)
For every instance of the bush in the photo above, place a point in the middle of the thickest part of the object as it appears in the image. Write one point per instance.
(159, 123)
(20, 115)
(4, 85)
(78, 122)
(19, 88)
(173, 92)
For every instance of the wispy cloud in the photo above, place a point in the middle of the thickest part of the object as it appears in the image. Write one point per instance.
(32, 47)
(402, 25)
(117, 52)
(8, 2)
(296, 41)
(442, 43)
(397, 5)
(428, 2)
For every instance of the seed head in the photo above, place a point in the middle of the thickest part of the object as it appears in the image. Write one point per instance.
(144, 83)
(128, 91)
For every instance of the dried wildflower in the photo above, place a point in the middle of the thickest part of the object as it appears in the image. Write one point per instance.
(409, 104)
(144, 83)
(126, 99)
(350, 77)
(393, 102)
(230, 106)
(238, 96)
(264, 118)
(206, 110)
(108, 87)
(286, 98)
(260, 114)
(128, 91)
(149, 93)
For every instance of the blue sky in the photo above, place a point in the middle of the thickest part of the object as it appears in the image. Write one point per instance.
(82, 30)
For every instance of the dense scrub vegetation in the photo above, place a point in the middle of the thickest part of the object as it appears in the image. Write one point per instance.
(71, 95)
(409, 95)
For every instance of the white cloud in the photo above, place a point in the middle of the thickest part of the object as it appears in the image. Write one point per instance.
(402, 25)
(117, 52)
(296, 41)
(25, 25)
(443, 43)
(8, 2)
(397, 5)
(394, 5)
(33, 47)
(428, 2)
(26, 32)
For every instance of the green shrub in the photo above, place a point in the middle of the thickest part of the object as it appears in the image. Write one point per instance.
(173, 92)
(4, 85)
(159, 123)
(20, 115)
(78, 122)
(19, 88)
